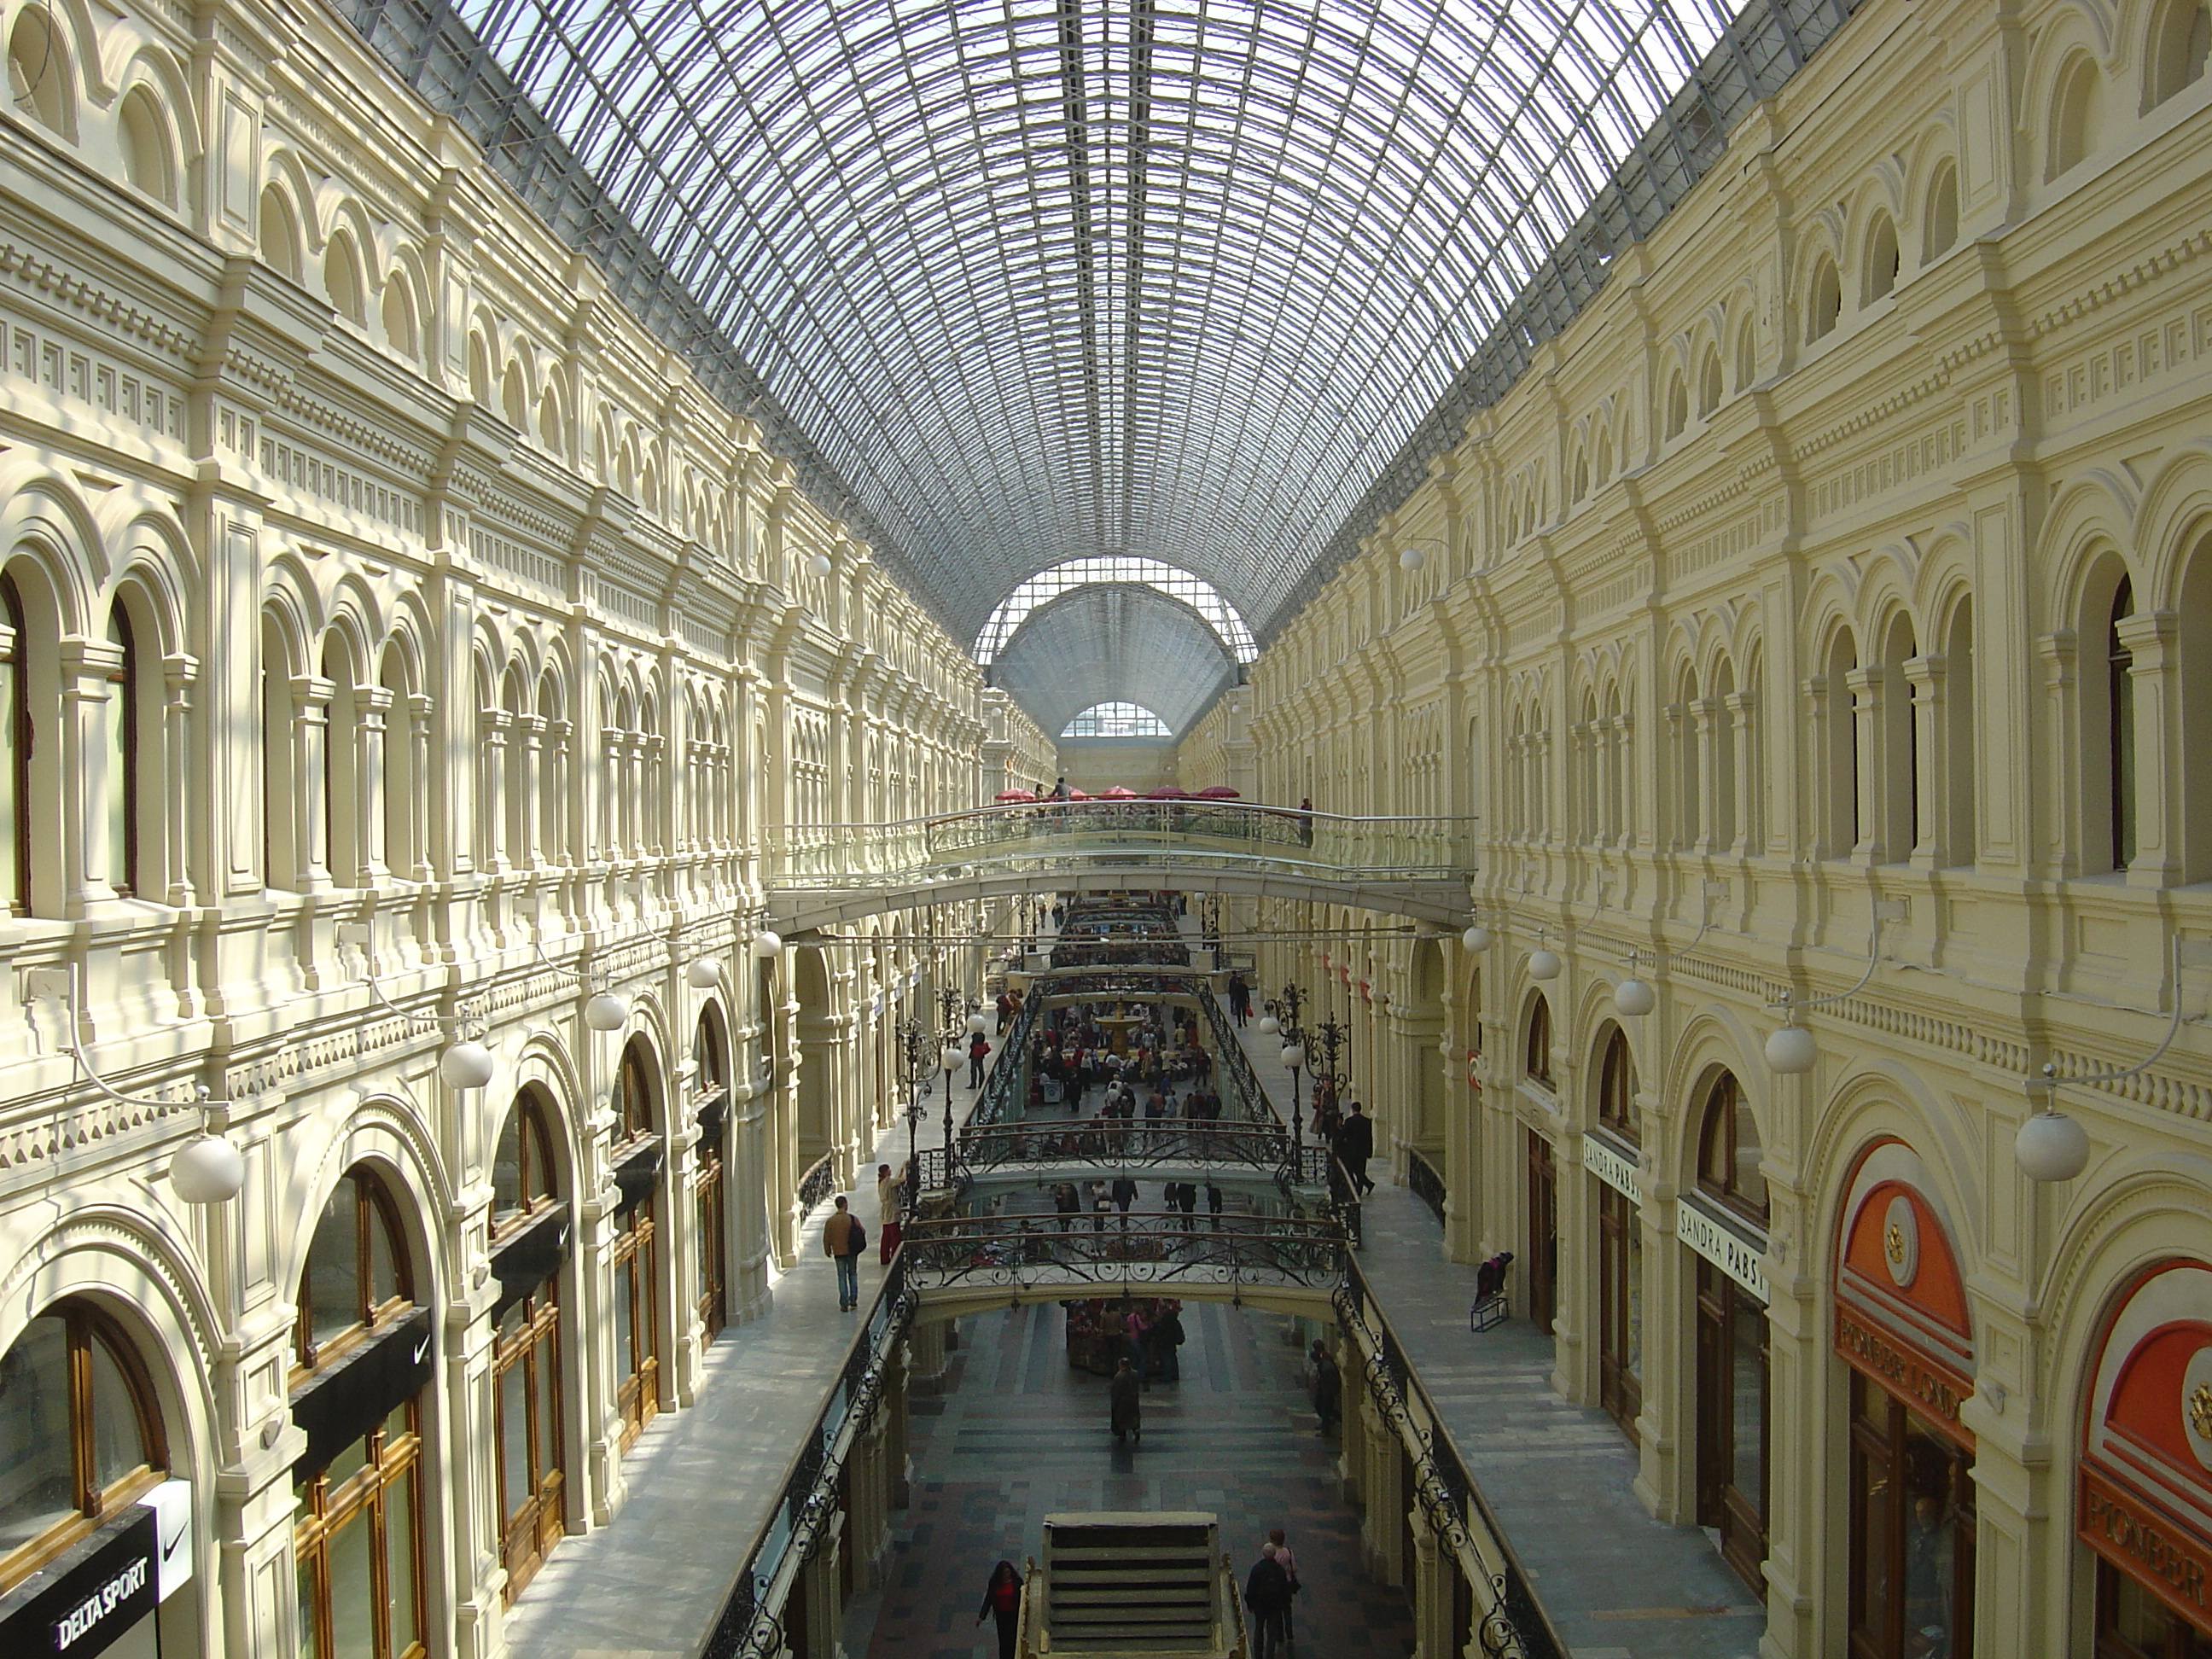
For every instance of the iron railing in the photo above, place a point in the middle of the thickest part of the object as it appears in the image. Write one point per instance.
(1427, 1184)
(819, 1183)
(1007, 1084)
(1233, 1067)
(1141, 1247)
(1515, 1626)
(1135, 1142)
(750, 1626)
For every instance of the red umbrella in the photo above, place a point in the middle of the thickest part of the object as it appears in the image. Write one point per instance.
(1077, 794)
(1168, 792)
(1117, 793)
(1218, 791)
(1013, 795)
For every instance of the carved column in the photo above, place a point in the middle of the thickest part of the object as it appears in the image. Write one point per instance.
(2153, 639)
(311, 736)
(371, 706)
(178, 672)
(1931, 761)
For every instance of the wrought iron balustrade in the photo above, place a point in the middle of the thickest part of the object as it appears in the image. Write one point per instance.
(1427, 1183)
(1139, 1142)
(819, 1183)
(1149, 1248)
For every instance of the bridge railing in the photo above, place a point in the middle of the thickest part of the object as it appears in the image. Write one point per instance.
(804, 855)
(1114, 1142)
(1147, 1248)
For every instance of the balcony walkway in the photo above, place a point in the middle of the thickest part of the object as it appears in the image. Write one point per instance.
(1616, 1583)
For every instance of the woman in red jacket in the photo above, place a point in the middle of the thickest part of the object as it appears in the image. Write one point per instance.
(1003, 1596)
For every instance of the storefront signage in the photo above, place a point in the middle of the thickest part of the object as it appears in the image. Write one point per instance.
(1936, 1394)
(2161, 1556)
(1613, 1166)
(337, 1405)
(86, 1600)
(1740, 1258)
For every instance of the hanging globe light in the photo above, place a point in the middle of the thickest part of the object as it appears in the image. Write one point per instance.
(1294, 1056)
(2052, 1146)
(1476, 938)
(767, 942)
(951, 1060)
(207, 1170)
(702, 973)
(1413, 558)
(465, 1064)
(606, 1012)
(1268, 1025)
(820, 564)
(1543, 963)
(1634, 997)
(1791, 1050)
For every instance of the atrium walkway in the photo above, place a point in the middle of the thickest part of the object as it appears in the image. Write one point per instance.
(1616, 1583)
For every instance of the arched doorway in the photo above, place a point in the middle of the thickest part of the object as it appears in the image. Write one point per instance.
(529, 1230)
(1724, 1221)
(637, 1159)
(710, 1102)
(1610, 1152)
(362, 1362)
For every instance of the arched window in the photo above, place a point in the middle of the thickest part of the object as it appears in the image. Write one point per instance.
(1616, 1089)
(80, 1434)
(358, 1543)
(2073, 116)
(1840, 743)
(342, 279)
(1729, 1152)
(1678, 405)
(527, 1421)
(357, 1280)
(120, 718)
(2120, 731)
(2178, 43)
(636, 1297)
(515, 398)
(1709, 382)
(1824, 304)
(1962, 762)
(16, 732)
(38, 70)
(1747, 357)
(1880, 259)
(710, 1099)
(1899, 759)
(398, 314)
(280, 242)
(144, 140)
(1538, 1053)
(1942, 233)
(479, 370)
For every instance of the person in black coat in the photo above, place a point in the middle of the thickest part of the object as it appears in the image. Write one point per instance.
(1002, 1596)
(1125, 1402)
(1355, 1145)
(1268, 1594)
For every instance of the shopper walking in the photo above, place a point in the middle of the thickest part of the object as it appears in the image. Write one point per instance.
(1289, 1564)
(1240, 999)
(978, 1050)
(1213, 1202)
(1267, 1594)
(844, 1238)
(1125, 1403)
(1002, 1598)
(1327, 1389)
(1355, 1145)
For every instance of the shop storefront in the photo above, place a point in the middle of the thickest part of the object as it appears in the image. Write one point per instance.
(2143, 1503)
(1610, 1152)
(1722, 1221)
(530, 1239)
(1902, 1328)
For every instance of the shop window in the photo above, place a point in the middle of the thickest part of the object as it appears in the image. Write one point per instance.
(522, 1181)
(80, 1434)
(1732, 1371)
(2178, 43)
(527, 1394)
(710, 1071)
(358, 1547)
(1729, 1152)
(2133, 1624)
(1616, 1090)
(1912, 1534)
(1538, 1062)
(1620, 1309)
(636, 1246)
(1543, 1264)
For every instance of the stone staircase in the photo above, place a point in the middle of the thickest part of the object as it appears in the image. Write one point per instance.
(1132, 1584)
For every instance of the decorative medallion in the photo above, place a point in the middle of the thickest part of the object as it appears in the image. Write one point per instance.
(1901, 1241)
(2196, 1405)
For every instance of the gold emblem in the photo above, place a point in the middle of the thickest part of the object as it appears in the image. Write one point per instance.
(2200, 1411)
(1894, 1242)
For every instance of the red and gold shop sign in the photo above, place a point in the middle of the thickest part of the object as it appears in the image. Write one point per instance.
(2159, 1554)
(1901, 1313)
(2146, 1472)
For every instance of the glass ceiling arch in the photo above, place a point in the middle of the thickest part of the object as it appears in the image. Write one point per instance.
(1036, 280)
(1114, 642)
(1048, 585)
(1116, 720)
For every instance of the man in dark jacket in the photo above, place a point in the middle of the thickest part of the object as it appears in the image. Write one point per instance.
(1355, 1145)
(1125, 1404)
(1268, 1594)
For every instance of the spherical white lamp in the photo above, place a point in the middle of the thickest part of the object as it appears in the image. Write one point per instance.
(952, 1059)
(207, 1170)
(1634, 998)
(1476, 938)
(465, 1064)
(820, 564)
(606, 1012)
(1294, 1056)
(977, 1025)
(1413, 558)
(1543, 963)
(702, 973)
(1268, 1025)
(2052, 1146)
(767, 942)
(1791, 1050)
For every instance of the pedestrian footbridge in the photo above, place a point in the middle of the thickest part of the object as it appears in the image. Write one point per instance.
(823, 875)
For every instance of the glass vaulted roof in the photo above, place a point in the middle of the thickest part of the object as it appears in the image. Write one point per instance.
(1015, 282)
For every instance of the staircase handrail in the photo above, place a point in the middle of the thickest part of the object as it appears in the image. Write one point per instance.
(1235, 1065)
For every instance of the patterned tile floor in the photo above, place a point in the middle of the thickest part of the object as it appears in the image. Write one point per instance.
(1020, 1434)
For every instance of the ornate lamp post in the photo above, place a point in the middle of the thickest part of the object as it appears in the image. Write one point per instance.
(914, 1067)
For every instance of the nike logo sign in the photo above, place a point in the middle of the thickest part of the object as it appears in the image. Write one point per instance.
(422, 1348)
(170, 1548)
